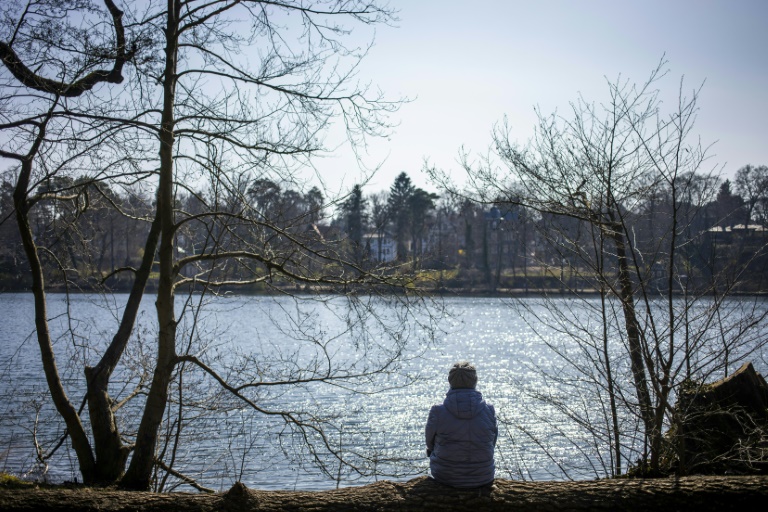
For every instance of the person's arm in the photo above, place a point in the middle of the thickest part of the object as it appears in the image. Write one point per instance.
(495, 425)
(431, 430)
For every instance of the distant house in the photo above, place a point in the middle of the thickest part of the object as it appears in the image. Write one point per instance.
(741, 245)
(738, 228)
(380, 248)
(727, 234)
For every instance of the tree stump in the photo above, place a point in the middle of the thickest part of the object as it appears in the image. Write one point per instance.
(722, 428)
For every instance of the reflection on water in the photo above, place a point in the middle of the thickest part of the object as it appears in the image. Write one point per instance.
(380, 434)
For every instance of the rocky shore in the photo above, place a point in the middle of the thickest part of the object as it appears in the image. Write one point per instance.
(720, 493)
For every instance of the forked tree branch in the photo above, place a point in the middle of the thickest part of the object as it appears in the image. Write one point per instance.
(40, 83)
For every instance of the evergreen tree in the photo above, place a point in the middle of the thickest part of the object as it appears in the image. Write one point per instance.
(730, 207)
(314, 200)
(355, 220)
(399, 206)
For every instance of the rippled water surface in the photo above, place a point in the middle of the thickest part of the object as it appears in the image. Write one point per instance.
(380, 433)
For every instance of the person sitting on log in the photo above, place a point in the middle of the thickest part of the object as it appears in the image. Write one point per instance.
(461, 433)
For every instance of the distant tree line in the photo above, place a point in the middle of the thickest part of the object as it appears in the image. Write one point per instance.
(474, 243)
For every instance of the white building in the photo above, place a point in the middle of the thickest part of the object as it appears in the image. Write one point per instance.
(381, 248)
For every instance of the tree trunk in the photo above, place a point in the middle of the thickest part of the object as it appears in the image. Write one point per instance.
(111, 454)
(691, 493)
(139, 472)
(59, 396)
(633, 338)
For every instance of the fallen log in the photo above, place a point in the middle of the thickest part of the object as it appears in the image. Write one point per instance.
(699, 493)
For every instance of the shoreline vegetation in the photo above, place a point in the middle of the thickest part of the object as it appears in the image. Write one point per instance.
(434, 292)
(687, 493)
(458, 282)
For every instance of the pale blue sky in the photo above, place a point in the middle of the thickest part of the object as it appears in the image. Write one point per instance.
(468, 64)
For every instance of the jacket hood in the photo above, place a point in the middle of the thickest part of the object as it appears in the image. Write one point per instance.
(463, 403)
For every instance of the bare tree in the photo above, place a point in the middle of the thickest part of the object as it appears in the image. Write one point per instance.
(752, 184)
(598, 175)
(379, 219)
(226, 94)
(35, 134)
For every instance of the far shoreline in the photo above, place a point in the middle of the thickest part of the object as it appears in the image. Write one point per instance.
(444, 292)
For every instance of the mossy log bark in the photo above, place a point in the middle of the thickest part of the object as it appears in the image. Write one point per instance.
(653, 495)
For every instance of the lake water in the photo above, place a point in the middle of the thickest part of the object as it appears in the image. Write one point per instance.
(545, 407)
